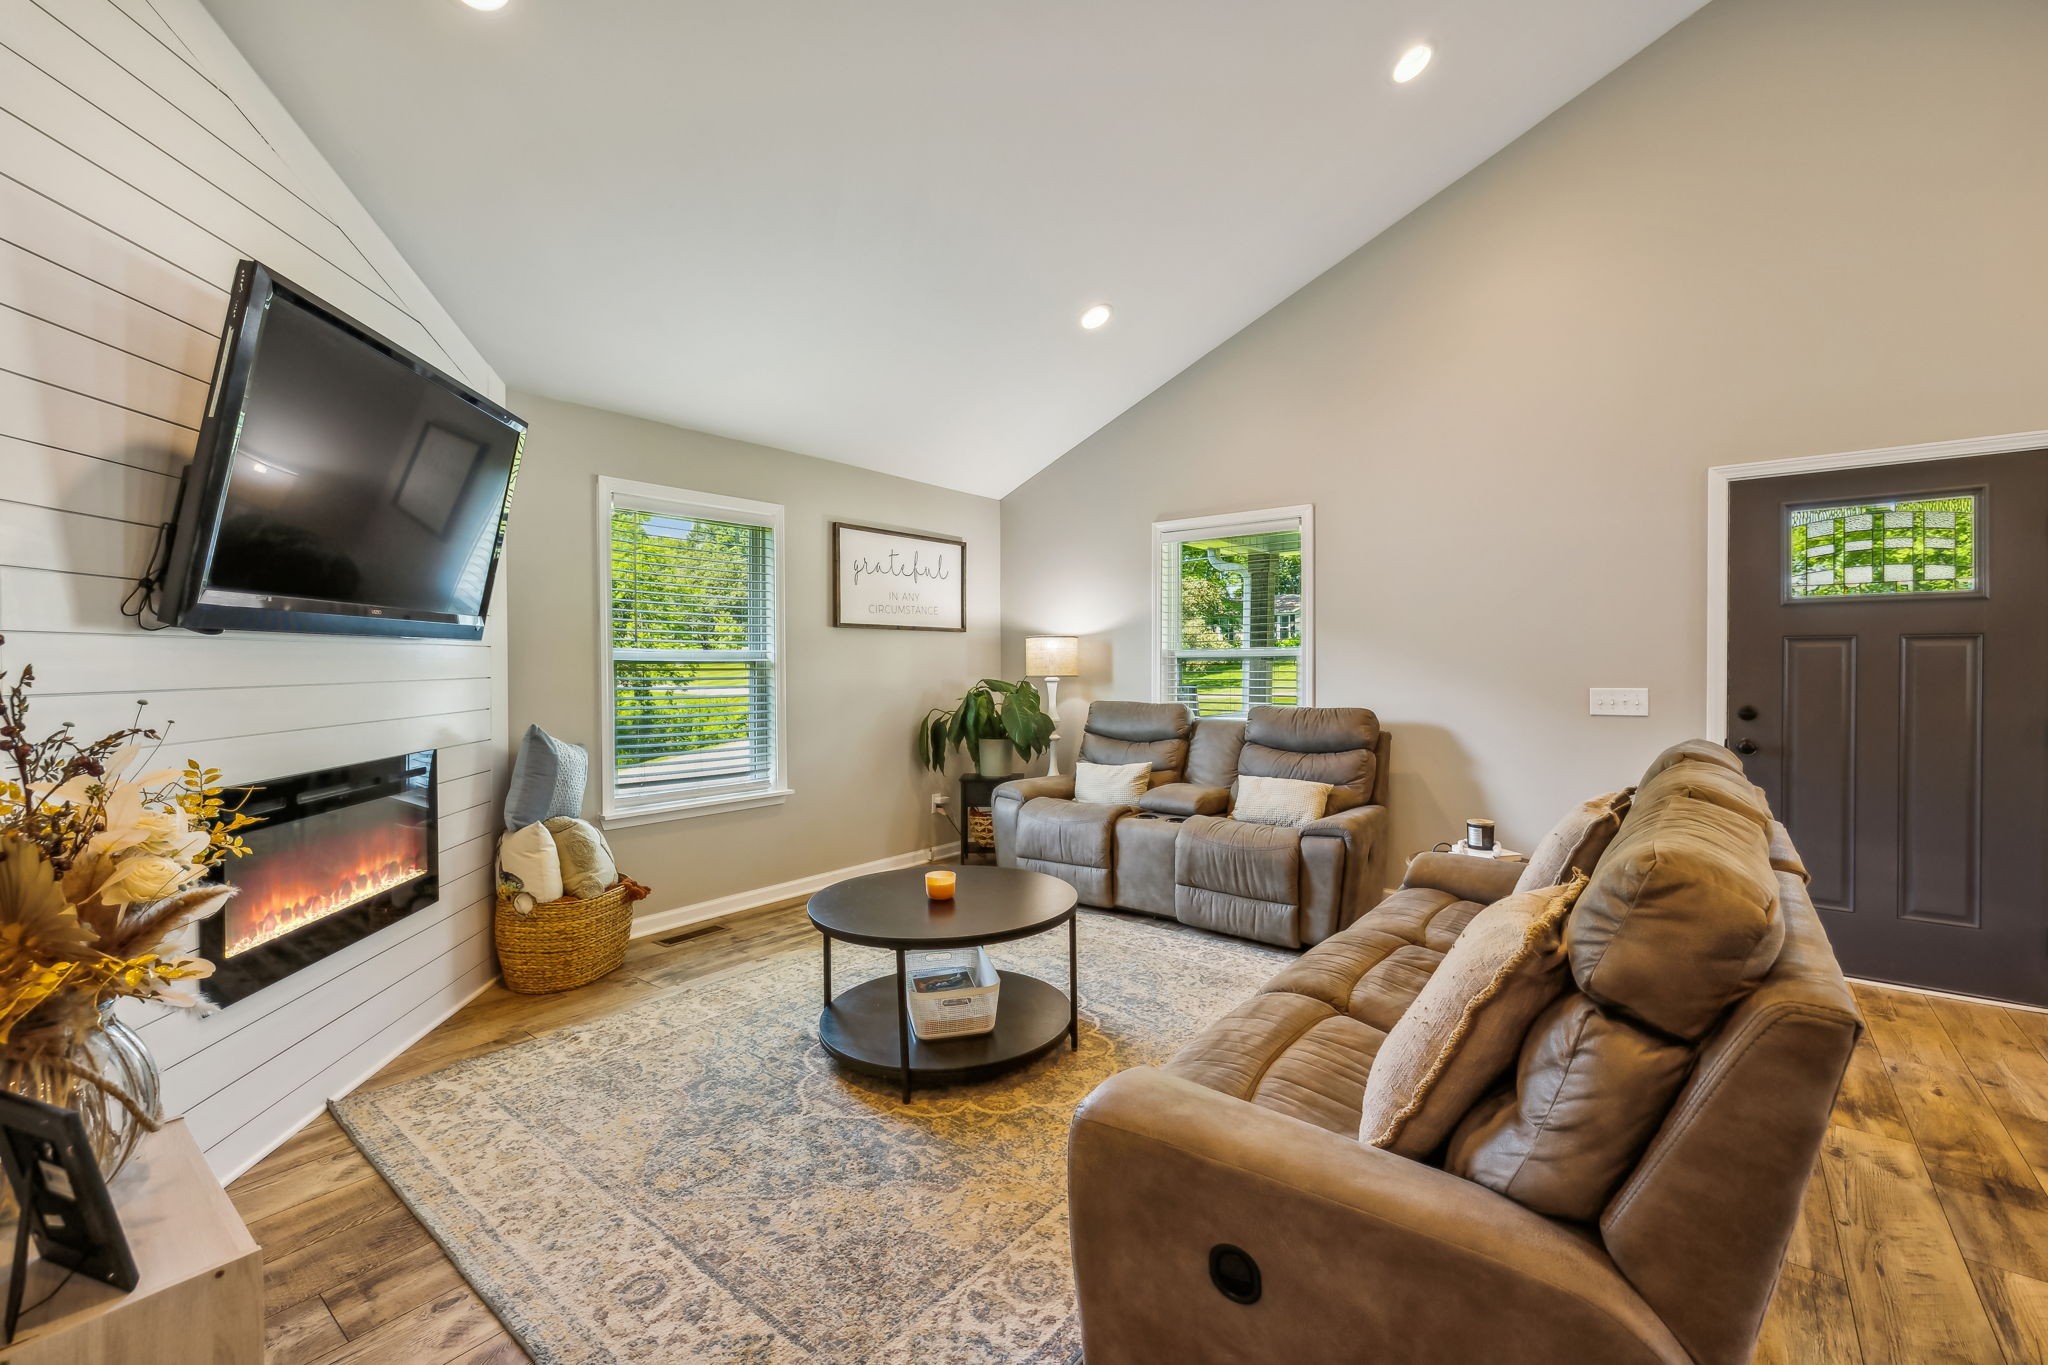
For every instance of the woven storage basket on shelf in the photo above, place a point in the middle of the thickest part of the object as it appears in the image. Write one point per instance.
(566, 943)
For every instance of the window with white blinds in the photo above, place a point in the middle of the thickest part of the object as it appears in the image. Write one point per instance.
(1234, 610)
(692, 666)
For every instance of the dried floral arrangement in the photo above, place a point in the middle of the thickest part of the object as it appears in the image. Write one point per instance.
(98, 873)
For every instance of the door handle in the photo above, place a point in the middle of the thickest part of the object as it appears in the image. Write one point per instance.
(1744, 746)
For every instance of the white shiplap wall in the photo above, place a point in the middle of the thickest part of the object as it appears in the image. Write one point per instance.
(140, 159)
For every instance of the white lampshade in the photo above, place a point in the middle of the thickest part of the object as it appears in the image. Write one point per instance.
(1052, 656)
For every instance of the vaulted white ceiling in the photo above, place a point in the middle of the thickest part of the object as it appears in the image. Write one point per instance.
(866, 230)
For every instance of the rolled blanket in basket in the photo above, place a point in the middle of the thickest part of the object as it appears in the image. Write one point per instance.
(529, 867)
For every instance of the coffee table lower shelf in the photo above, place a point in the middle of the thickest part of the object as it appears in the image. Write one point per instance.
(861, 1028)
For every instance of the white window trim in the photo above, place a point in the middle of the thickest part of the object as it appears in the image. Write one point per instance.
(686, 502)
(1238, 523)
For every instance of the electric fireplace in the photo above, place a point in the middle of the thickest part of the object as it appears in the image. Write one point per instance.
(338, 855)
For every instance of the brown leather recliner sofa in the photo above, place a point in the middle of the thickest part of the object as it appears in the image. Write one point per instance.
(1244, 1150)
(1178, 854)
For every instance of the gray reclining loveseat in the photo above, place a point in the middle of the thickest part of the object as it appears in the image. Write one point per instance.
(1177, 853)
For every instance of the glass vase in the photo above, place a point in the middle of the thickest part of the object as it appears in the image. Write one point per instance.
(113, 1052)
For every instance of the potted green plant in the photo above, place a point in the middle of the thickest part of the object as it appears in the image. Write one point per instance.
(994, 719)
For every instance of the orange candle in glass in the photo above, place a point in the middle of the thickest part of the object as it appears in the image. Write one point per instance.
(939, 885)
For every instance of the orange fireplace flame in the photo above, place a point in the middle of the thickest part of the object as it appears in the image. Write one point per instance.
(291, 888)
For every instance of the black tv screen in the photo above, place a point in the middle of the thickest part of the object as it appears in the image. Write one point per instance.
(340, 484)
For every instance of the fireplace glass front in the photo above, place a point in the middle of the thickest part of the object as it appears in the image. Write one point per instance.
(338, 855)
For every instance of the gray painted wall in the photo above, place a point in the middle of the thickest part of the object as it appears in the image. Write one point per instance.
(854, 695)
(1789, 227)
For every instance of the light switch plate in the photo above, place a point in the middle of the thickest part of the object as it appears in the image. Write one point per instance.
(1618, 701)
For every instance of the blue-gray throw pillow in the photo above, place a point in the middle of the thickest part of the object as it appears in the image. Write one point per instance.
(547, 779)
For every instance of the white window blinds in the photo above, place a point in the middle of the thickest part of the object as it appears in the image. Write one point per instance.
(1234, 611)
(693, 661)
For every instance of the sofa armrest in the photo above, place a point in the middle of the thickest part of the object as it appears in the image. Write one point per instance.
(1484, 880)
(1363, 831)
(1362, 1254)
(1029, 788)
(1185, 798)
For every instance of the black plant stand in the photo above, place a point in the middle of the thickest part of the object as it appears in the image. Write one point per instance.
(978, 791)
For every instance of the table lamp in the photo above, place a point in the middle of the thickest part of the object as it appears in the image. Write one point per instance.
(1052, 657)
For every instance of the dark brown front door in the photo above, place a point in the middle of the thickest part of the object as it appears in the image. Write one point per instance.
(1888, 686)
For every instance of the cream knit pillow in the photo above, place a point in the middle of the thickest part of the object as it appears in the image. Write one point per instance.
(1465, 1028)
(1111, 784)
(587, 863)
(1280, 801)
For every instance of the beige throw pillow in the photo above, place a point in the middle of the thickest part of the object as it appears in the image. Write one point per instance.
(1577, 842)
(587, 864)
(1465, 1027)
(1111, 784)
(1280, 801)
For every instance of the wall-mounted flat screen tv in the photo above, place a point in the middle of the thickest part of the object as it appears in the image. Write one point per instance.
(340, 485)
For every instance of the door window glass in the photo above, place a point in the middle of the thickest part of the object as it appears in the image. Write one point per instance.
(1872, 549)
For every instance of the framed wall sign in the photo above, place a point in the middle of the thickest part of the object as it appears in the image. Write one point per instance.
(897, 580)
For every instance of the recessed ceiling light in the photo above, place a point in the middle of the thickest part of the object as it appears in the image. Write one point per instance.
(1095, 316)
(485, 4)
(1407, 69)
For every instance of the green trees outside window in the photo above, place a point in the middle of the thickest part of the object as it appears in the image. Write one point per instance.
(1235, 609)
(692, 641)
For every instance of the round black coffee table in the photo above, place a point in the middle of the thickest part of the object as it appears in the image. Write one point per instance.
(868, 1027)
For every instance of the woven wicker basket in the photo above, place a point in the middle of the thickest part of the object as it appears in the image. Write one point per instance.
(564, 943)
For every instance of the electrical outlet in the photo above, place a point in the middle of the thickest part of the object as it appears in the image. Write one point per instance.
(1618, 701)
(938, 802)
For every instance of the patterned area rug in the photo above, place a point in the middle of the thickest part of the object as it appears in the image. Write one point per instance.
(693, 1178)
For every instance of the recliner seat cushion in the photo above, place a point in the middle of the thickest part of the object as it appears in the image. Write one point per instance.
(1239, 879)
(1079, 833)
(1681, 918)
(1331, 744)
(1466, 1026)
(1374, 969)
(1590, 1091)
(1286, 1053)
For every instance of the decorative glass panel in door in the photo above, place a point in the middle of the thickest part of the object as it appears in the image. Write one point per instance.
(1883, 549)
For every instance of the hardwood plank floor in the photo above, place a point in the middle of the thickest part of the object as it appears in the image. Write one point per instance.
(1924, 1237)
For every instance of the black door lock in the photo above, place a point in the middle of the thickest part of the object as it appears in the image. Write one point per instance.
(1745, 713)
(1234, 1273)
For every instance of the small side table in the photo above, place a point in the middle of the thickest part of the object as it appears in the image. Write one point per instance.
(978, 793)
(1498, 854)
(199, 1300)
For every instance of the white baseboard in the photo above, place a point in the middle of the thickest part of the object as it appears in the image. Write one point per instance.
(232, 1174)
(662, 921)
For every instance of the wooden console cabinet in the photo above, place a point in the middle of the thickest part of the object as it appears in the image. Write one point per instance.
(200, 1297)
